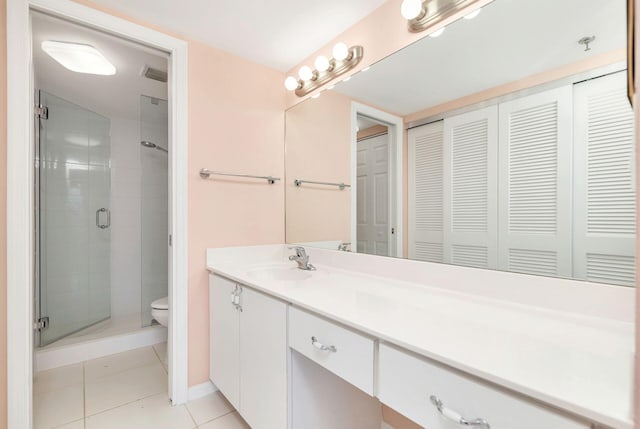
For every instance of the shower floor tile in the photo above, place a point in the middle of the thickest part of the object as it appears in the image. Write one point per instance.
(125, 390)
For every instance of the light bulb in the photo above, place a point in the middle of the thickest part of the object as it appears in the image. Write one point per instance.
(305, 73)
(437, 33)
(291, 83)
(473, 14)
(411, 8)
(322, 63)
(340, 51)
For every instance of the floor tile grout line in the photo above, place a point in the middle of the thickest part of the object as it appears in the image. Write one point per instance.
(124, 370)
(191, 415)
(219, 417)
(153, 347)
(160, 359)
(127, 403)
(68, 423)
(102, 377)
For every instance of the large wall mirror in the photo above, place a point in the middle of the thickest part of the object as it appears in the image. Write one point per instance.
(507, 142)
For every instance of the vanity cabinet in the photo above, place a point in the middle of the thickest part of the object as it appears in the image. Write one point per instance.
(435, 396)
(248, 351)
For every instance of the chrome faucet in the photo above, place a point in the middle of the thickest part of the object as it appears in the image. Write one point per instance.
(301, 258)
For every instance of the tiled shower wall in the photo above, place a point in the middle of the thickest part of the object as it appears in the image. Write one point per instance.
(125, 217)
(154, 203)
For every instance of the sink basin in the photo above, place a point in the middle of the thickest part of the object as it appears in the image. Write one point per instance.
(283, 273)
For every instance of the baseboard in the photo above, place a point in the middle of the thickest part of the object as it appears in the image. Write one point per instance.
(200, 390)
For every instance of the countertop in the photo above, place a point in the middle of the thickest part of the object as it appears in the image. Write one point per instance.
(574, 362)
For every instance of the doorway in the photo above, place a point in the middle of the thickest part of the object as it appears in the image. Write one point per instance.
(21, 182)
(376, 172)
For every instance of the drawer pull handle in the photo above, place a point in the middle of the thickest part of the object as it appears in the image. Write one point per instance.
(456, 417)
(318, 345)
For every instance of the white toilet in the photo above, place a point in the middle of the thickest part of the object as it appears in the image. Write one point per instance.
(160, 310)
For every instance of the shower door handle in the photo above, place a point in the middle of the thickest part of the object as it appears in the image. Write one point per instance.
(103, 225)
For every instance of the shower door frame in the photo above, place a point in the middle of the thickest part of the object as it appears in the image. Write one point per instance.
(21, 192)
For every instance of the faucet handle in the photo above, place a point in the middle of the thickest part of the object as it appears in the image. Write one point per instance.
(299, 250)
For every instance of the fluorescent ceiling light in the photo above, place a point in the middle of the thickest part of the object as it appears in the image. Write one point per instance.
(79, 57)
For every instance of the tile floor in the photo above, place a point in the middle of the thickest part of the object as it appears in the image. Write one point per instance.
(123, 391)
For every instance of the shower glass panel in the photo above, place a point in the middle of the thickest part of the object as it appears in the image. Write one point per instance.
(74, 248)
(154, 136)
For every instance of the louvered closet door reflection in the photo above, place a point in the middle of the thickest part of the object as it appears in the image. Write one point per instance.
(604, 210)
(535, 177)
(425, 172)
(470, 189)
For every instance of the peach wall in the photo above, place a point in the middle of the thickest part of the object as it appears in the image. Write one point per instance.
(236, 124)
(3, 219)
(318, 148)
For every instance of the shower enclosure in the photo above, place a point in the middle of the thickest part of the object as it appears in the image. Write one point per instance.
(79, 253)
(73, 218)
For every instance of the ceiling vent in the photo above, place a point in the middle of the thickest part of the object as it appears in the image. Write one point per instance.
(155, 74)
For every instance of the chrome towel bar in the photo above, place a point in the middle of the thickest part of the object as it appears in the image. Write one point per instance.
(299, 182)
(205, 174)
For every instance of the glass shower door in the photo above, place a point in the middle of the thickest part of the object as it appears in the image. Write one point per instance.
(73, 218)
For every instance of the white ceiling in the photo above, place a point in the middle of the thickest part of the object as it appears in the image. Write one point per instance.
(276, 33)
(509, 40)
(113, 96)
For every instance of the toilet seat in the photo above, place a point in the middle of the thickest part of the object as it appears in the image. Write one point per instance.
(161, 304)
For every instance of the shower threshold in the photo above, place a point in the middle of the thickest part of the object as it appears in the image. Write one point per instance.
(111, 336)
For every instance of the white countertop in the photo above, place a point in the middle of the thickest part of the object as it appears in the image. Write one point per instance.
(576, 362)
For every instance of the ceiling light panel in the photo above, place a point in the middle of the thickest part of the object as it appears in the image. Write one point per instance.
(79, 57)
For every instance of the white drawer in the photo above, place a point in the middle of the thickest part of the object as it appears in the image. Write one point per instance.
(347, 354)
(406, 384)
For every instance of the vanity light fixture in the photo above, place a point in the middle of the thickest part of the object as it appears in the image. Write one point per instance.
(305, 73)
(326, 69)
(410, 9)
(322, 63)
(79, 57)
(421, 15)
(340, 51)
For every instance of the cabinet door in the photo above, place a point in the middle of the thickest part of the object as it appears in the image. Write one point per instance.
(224, 362)
(263, 360)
